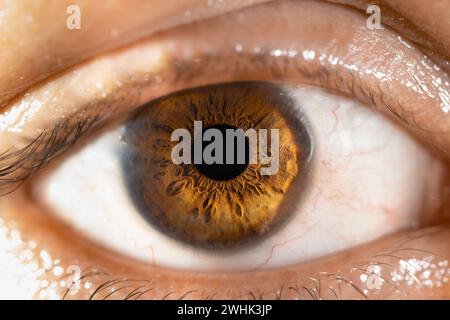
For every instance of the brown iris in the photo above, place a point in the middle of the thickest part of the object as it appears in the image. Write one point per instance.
(215, 205)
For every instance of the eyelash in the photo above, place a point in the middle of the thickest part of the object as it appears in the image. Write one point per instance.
(317, 286)
(52, 142)
(257, 294)
(39, 152)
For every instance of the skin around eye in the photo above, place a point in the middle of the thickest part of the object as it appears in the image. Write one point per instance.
(61, 47)
(32, 243)
(349, 184)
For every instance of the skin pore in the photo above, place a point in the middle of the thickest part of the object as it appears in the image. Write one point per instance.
(46, 255)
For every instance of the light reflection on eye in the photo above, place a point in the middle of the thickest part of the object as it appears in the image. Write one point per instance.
(367, 176)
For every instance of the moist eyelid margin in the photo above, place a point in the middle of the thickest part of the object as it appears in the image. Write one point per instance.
(16, 166)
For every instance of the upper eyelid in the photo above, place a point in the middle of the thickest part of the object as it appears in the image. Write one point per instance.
(84, 48)
(175, 64)
(12, 93)
(403, 25)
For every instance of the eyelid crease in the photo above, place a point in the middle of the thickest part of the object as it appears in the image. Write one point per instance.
(61, 48)
(123, 35)
(184, 58)
(401, 23)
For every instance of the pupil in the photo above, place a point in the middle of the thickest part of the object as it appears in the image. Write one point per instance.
(223, 172)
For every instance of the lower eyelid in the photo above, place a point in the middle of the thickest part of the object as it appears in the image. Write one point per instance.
(414, 264)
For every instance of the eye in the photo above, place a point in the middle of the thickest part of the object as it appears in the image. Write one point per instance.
(215, 216)
(216, 157)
